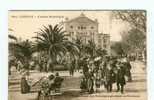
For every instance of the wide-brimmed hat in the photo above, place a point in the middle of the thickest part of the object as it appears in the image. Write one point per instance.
(97, 59)
(51, 76)
(57, 74)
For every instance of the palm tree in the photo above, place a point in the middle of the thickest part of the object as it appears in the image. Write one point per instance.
(81, 53)
(24, 52)
(53, 41)
(12, 37)
(21, 51)
(11, 44)
(11, 51)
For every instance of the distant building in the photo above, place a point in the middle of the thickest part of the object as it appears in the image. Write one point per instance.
(103, 41)
(86, 29)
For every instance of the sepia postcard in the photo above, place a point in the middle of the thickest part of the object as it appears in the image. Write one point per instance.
(77, 55)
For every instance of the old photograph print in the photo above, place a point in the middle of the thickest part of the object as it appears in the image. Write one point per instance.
(77, 55)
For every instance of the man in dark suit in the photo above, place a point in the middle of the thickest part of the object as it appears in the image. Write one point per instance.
(57, 82)
(120, 77)
(109, 74)
(128, 71)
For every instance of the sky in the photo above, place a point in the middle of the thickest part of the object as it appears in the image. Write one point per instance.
(24, 24)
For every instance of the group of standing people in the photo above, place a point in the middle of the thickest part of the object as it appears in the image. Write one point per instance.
(100, 72)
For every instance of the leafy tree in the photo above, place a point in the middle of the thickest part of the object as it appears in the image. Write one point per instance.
(135, 40)
(132, 42)
(136, 19)
(118, 48)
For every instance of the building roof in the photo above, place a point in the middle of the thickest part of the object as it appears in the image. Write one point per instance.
(82, 19)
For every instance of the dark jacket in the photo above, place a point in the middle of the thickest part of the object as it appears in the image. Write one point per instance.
(120, 77)
(25, 88)
(109, 76)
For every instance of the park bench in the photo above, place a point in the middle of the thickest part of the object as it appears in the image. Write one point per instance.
(54, 92)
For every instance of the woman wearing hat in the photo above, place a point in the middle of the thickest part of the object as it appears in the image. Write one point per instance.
(25, 88)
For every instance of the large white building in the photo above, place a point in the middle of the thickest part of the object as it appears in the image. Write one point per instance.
(86, 29)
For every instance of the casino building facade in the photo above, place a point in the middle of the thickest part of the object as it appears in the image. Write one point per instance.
(86, 29)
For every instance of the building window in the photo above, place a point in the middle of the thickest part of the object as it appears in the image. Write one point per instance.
(84, 33)
(78, 27)
(92, 27)
(71, 27)
(69, 34)
(104, 40)
(72, 33)
(99, 45)
(105, 46)
(99, 40)
(82, 27)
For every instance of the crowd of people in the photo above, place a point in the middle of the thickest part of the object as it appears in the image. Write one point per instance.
(98, 72)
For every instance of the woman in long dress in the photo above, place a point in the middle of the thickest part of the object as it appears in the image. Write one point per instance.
(25, 88)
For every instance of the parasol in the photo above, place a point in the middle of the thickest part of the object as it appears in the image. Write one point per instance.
(97, 58)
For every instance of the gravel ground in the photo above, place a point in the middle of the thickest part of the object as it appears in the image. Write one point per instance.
(135, 90)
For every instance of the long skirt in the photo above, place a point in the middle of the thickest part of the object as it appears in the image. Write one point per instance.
(90, 85)
(25, 88)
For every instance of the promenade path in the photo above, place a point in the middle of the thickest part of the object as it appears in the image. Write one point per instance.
(135, 90)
